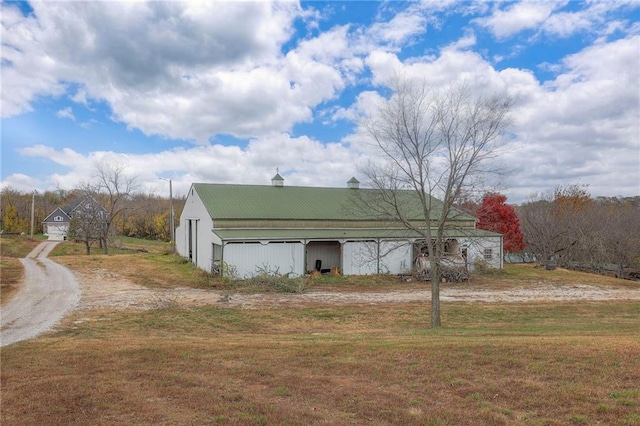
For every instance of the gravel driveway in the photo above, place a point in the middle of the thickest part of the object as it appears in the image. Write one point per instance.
(102, 289)
(49, 292)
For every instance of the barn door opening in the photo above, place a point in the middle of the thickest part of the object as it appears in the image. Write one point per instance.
(323, 256)
(190, 239)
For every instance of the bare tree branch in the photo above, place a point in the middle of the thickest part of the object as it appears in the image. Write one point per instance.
(117, 186)
(431, 142)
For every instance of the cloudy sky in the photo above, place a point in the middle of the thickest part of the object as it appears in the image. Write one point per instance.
(228, 92)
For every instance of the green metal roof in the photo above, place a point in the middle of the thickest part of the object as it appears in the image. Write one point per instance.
(228, 201)
(257, 234)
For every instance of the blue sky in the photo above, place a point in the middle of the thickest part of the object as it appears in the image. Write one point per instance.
(231, 91)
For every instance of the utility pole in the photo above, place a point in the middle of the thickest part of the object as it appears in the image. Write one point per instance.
(171, 219)
(33, 209)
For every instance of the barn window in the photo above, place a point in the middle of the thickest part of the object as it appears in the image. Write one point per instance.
(488, 254)
(58, 219)
(451, 247)
(217, 252)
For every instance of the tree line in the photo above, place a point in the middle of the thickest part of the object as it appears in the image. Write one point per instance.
(568, 228)
(141, 215)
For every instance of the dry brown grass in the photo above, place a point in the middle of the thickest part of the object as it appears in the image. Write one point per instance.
(532, 274)
(567, 363)
(148, 269)
(550, 364)
(146, 263)
(12, 247)
(11, 275)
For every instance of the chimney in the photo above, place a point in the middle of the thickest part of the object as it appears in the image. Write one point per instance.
(277, 180)
(353, 183)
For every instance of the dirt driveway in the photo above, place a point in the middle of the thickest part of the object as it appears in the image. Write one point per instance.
(49, 292)
(102, 289)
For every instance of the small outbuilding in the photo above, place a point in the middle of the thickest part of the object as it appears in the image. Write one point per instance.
(241, 230)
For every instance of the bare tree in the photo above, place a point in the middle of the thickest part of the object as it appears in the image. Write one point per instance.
(433, 143)
(88, 218)
(616, 236)
(544, 235)
(555, 224)
(116, 186)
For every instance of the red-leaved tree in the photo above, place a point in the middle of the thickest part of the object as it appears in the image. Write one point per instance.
(497, 216)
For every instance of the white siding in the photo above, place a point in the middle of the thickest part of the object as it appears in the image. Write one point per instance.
(201, 232)
(360, 258)
(245, 259)
(395, 257)
(476, 250)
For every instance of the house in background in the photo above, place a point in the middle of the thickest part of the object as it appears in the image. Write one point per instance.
(56, 225)
(240, 230)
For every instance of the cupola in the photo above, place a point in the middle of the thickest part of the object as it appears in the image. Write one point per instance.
(277, 180)
(353, 183)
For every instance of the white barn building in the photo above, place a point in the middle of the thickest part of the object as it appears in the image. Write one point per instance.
(240, 230)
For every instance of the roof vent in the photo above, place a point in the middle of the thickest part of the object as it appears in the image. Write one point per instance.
(353, 183)
(277, 180)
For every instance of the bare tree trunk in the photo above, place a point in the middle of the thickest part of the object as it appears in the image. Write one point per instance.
(435, 298)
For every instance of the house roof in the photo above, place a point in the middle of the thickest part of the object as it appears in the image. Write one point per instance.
(255, 202)
(71, 206)
(57, 212)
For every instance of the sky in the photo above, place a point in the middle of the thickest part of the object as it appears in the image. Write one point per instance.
(231, 92)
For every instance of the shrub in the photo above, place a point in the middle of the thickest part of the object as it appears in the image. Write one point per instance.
(269, 279)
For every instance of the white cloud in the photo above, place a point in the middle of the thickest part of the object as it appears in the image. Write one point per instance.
(565, 24)
(465, 42)
(383, 66)
(21, 182)
(151, 62)
(584, 126)
(455, 67)
(25, 69)
(80, 97)
(365, 105)
(302, 161)
(520, 16)
(65, 156)
(400, 29)
(66, 113)
(547, 17)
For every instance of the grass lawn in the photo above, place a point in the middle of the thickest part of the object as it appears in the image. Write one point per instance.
(569, 363)
(13, 247)
(540, 364)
